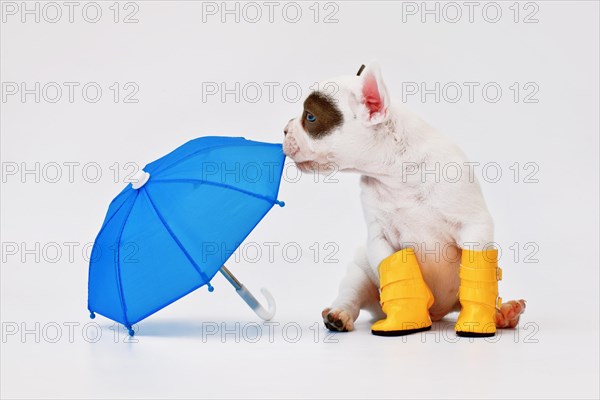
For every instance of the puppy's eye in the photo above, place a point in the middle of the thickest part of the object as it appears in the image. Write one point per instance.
(310, 117)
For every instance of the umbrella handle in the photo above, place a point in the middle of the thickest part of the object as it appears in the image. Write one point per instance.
(266, 315)
(245, 294)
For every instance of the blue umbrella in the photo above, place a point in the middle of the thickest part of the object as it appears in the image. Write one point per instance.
(170, 231)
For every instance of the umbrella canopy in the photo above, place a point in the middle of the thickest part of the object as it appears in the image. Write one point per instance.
(169, 232)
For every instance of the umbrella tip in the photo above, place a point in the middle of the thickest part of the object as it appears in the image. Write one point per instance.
(92, 315)
(280, 203)
(210, 287)
(139, 179)
(131, 332)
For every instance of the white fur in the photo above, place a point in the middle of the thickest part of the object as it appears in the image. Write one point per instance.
(401, 208)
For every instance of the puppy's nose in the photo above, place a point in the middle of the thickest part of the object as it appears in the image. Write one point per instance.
(287, 126)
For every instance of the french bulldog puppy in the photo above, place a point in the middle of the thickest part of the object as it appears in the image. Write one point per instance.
(358, 128)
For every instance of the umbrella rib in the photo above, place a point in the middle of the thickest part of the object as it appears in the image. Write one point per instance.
(204, 150)
(174, 237)
(195, 153)
(121, 295)
(174, 163)
(111, 217)
(221, 185)
(98, 235)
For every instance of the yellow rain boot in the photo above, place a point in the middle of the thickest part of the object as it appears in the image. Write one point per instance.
(478, 293)
(405, 297)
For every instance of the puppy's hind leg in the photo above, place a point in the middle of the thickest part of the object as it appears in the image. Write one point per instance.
(358, 290)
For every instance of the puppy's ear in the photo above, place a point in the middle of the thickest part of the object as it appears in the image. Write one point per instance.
(373, 94)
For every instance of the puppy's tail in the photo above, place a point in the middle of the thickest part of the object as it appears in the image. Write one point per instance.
(509, 313)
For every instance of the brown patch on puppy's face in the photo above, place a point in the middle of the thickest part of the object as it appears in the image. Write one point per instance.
(321, 115)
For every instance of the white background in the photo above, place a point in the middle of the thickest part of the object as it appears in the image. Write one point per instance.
(169, 53)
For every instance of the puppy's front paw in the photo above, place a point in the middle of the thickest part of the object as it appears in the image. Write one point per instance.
(509, 313)
(337, 320)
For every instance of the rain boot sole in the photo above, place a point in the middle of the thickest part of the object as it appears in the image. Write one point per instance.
(400, 332)
(475, 334)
